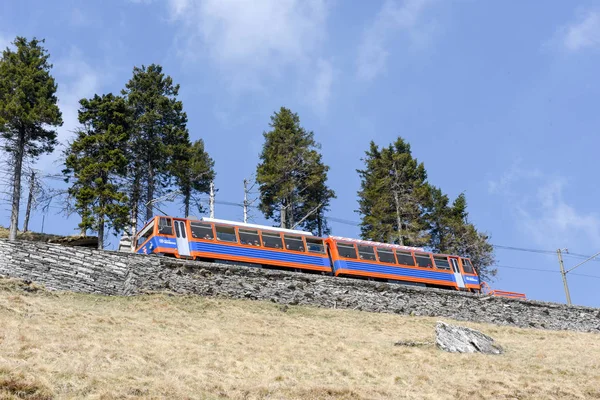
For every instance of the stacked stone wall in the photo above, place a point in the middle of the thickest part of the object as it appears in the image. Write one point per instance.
(113, 273)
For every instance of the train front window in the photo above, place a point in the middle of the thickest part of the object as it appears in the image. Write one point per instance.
(202, 231)
(145, 234)
(441, 262)
(165, 226)
(467, 266)
(226, 233)
(346, 250)
(405, 258)
(423, 260)
(293, 243)
(249, 237)
(366, 253)
(315, 245)
(386, 256)
(272, 240)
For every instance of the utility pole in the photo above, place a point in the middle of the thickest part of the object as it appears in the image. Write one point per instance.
(245, 200)
(282, 215)
(564, 273)
(564, 276)
(212, 199)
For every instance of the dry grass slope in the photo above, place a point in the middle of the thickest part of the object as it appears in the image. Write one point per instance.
(73, 346)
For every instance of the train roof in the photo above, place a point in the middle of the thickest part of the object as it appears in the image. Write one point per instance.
(256, 226)
(378, 244)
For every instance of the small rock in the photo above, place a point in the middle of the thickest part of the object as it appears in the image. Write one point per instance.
(412, 344)
(458, 339)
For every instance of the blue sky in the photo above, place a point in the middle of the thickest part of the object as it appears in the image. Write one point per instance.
(498, 100)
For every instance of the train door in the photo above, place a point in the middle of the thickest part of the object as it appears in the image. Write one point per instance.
(183, 246)
(456, 269)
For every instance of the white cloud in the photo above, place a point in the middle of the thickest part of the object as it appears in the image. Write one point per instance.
(253, 43)
(321, 92)
(541, 211)
(583, 33)
(256, 34)
(394, 16)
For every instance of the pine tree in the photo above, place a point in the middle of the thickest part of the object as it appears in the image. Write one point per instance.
(159, 128)
(28, 110)
(291, 176)
(452, 233)
(97, 160)
(317, 199)
(392, 196)
(194, 171)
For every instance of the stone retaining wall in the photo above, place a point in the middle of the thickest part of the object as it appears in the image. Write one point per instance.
(112, 273)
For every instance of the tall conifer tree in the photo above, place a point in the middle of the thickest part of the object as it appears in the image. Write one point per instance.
(452, 233)
(193, 171)
(159, 127)
(392, 196)
(291, 176)
(97, 159)
(28, 111)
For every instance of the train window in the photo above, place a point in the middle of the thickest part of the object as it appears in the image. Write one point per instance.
(386, 256)
(272, 240)
(315, 245)
(346, 250)
(145, 234)
(405, 258)
(202, 231)
(366, 253)
(441, 262)
(423, 260)
(165, 226)
(248, 236)
(467, 266)
(293, 243)
(226, 233)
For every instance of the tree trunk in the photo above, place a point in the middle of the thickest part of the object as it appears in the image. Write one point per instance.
(101, 232)
(291, 212)
(398, 218)
(16, 197)
(135, 199)
(150, 193)
(29, 201)
(186, 202)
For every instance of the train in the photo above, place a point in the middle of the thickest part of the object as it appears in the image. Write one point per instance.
(253, 245)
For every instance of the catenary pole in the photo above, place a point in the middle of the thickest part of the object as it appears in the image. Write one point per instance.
(564, 276)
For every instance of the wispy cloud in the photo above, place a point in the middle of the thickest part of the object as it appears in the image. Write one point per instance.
(541, 211)
(320, 93)
(256, 43)
(76, 79)
(258, 37)
(582, 33)
(395, 16)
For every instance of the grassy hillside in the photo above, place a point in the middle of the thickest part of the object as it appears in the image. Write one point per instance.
(159, 346)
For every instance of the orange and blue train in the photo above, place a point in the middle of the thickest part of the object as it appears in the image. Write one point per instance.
(210, 239)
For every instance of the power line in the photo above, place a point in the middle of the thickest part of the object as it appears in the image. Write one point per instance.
(525, 268)
(524, 249)
(585, 275)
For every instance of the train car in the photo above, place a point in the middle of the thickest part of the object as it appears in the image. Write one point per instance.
(382, 261)
(220, 240)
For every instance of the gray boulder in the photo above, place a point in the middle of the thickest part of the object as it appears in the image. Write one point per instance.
(458, 339)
